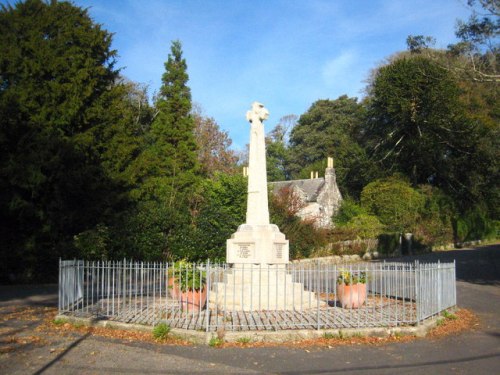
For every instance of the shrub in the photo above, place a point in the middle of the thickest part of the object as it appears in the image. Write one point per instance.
(365, 226)
(216, 217)
(349, 209)
(215, 342)
(93, 243)
(435, 226)
(161, 331)
(475, 225)
(394, 202)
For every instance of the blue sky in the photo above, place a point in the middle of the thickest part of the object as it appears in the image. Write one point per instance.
(286, 54)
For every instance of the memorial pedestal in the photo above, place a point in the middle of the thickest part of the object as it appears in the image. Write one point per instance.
(248, 287)
(257, 244)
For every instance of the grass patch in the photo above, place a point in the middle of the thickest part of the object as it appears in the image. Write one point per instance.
(244, 340)
(161, 331)
(440, 322)
(339, 336)
(215, 342)
(448, 315)
(329, 336)
(59, 321)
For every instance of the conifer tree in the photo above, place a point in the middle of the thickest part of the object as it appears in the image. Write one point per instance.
(169, 163)
(56, 67)
(166, 171)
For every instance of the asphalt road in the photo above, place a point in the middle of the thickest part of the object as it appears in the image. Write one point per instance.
(474, 352)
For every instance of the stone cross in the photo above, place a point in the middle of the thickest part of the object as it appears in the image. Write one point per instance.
(257, 241)
(257, 208)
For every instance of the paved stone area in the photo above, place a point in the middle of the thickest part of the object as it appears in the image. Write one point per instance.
(376, 312)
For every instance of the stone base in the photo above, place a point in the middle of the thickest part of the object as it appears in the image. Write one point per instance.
(257, 244)
(254, 288)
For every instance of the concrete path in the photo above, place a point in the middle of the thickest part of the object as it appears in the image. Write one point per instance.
(475, 352)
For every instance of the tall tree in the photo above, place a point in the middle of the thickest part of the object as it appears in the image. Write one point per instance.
(479, 41)
(277, 149)
(214, 153)
(166, 172)
(418, 126)
(329, 128)
(167, 168)
(56, 68)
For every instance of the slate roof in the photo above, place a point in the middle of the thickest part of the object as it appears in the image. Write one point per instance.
(311, 187)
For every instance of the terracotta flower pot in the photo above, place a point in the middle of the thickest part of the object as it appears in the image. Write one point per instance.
(173, 288)
(193, 299)
(351, 296)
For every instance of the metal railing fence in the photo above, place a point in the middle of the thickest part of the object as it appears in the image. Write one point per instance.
(256, 297)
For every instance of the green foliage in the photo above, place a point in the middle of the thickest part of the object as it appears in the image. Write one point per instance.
(244, 340)
(276, 160)
(352, 222)
(331, 128)
(218, 214)
(89, 168)
(161, 331)
(417, 43)
(479, 41)
(215, 342)
(348, 210)
(394, 202)
(330, 336)
(448, 315)
(417, 124)
(162, 174)
(127, 120)
(351, 278)
(364, 226)
(57, 70)
(94, 243)
(475, 225)
(167, 169)
(278, 151)
(190, 278)
(435, 224)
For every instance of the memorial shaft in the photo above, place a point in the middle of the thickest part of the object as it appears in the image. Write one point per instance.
(257, 203)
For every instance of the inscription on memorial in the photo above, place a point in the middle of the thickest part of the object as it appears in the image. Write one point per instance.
(244, 250)
(278, 248)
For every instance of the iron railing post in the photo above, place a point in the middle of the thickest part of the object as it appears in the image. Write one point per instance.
(417, 291)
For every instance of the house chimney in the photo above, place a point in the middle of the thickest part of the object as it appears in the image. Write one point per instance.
(329, 162)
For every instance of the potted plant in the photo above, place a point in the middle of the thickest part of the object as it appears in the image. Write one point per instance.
(351, 289)
(175, 272)
(193, 293)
